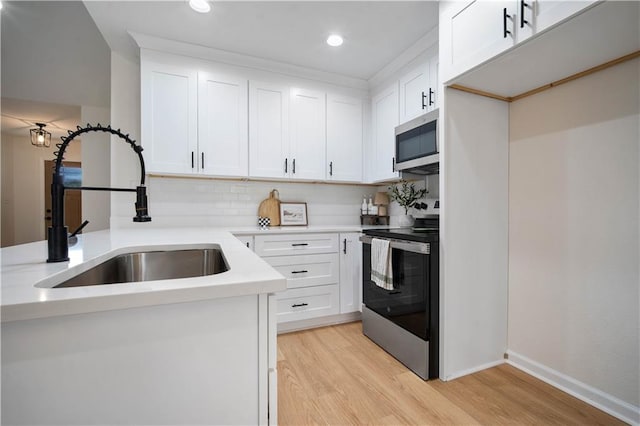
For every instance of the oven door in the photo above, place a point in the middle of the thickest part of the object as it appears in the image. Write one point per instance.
(407, 304)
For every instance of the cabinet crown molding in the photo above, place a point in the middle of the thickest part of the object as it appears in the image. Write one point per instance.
(207, 53)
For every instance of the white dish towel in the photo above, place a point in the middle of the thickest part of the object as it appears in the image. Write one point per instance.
(381, 268)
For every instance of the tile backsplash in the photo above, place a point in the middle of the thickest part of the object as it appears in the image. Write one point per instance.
(216, 202)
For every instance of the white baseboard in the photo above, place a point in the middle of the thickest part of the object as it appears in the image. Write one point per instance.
(592, 396)
(472, 370)
(288, 327)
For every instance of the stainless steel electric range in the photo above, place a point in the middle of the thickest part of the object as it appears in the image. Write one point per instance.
(405, 319)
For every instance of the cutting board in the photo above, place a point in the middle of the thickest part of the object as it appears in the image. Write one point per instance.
(271, 208)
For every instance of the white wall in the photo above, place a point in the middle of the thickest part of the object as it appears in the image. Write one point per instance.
(125, 115)
(23, 187)
(96, 153)
(574, 234)
(473, 230)
(53, 52)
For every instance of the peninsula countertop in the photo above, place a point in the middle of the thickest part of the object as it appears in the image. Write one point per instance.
(27, 278)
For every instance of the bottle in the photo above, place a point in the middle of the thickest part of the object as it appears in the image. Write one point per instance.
(363, 208)
(370, 207)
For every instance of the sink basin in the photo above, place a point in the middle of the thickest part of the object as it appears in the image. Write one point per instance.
(151, 266)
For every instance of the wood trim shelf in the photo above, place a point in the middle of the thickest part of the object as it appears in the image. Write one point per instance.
(556, 83)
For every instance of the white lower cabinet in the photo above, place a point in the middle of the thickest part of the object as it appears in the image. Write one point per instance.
(247, 240)
(307, 271)
(350, 273)
(308, 302)
(322, 271)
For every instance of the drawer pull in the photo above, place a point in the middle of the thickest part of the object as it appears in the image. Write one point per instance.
(299, 244)
(299, 272)
(297, 305)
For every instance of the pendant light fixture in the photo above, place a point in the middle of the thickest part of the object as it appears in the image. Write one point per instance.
(40, 137)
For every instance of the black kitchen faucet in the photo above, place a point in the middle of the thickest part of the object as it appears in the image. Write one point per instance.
(57, 232)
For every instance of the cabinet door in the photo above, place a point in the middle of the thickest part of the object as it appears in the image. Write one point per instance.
(414, 92)
(307, 271)
(308, 134)
(169, 117)
(223, 142)
(350, 273)
(344, 139)
(295, 244)
(478, 32)
(433, 96)
(546, 13)
(247, 240)
(384, 108)
(308, 302)
(268, 130)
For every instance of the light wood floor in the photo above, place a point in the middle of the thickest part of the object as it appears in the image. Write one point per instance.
(335, 375)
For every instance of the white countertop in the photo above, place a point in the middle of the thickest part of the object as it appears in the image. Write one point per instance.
(26, 274)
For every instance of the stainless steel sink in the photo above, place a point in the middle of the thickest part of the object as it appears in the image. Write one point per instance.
(150, 266)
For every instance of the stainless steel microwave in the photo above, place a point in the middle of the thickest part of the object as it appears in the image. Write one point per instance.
(417, 147)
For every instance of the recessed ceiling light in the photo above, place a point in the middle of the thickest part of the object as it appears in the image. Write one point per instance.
(201, 6)
(0, 5)
(334, 40)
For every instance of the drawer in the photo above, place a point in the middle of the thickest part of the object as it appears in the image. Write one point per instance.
(309, 302)
(307, 270)
(281, 245)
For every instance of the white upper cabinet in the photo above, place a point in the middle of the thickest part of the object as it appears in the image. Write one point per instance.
(344, 139)
(384, 116)
(419, 90)
(534, 16)
(307, 154)
(169, 117)
(474, 32)
(222, 125)
(193, 121)
(479, 31)
(268, 130)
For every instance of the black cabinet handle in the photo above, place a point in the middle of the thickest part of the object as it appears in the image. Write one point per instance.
(297, 305)
(331, 168)
(344, 246)
(393, 164)
(202, 160)
(286, 165)
(47, 218)
(299, 272)
(248, 244)
(193, 164)
(299, 244)
(431, 93)
(293, 167)
(424, 98)
(523, 21)
(505, 15)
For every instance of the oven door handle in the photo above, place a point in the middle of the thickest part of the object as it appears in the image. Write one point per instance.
(412, 246)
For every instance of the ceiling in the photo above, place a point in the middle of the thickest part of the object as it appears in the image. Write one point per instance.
(62, 61)
(292, 32)
(18, 116)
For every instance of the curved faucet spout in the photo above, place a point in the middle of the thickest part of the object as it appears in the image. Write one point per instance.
(57, 232)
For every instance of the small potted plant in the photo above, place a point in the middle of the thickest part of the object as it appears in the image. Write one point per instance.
(406, 195)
